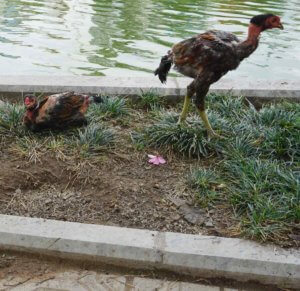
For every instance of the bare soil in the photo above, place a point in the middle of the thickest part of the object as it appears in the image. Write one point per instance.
(119, 189)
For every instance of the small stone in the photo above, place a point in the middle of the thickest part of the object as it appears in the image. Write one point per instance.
(192, 214)
(155, 215)
(18, 191)
(209, 223)
(177, 201)
(175, 217)
(295, 237)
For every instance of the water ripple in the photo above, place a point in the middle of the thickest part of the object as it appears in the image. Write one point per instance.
(125, 37)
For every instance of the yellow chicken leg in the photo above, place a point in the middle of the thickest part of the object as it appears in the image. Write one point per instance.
(207, 125)
(185, 109)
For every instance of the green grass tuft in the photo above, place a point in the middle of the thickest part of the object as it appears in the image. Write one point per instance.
(150, 100)
(227, 106)
(11, 117)
(258, 163)
(208, 184)
(275, 132)
(186, 140)
(94, 138)
(111, 107)
(266, 194)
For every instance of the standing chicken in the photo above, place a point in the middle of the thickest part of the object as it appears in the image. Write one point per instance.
(57, 111)
(210, 55)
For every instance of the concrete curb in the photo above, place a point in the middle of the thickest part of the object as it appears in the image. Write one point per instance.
(186, 254)
(270, 90)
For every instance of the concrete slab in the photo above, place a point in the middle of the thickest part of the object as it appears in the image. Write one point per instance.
(135, 85)
(114, 244)
(216, 256)
(204, 256)
(90, 280)
(143, 284)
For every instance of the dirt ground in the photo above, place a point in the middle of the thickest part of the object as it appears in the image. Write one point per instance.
(120, 189)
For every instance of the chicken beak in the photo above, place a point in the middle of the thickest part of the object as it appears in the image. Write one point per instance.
(280, 26)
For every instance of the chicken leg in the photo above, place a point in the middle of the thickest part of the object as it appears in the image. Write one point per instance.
(187, 101)
(185, 109)
(200, 105)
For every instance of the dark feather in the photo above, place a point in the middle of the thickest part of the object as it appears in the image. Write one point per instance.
(164, 68)
(259, 20)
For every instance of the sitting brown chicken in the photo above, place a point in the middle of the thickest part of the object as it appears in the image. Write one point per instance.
(57, 111)
(208, 56)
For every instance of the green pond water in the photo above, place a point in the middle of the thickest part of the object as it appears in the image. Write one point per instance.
(128, 37)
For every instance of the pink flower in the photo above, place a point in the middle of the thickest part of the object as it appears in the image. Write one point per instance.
(156, 160)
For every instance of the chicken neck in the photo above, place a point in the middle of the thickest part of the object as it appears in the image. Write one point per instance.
(247, 47)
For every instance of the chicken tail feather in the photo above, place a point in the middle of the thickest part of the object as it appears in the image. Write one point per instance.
(97, 99)
(164, 68)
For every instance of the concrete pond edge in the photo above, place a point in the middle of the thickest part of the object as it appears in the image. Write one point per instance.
(195, 255)
(175, 88)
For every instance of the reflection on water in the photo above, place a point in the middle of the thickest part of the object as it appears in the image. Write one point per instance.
(128, 37)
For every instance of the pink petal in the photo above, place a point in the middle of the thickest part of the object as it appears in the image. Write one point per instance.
(151, 161)
(154, 161)
(161, 160)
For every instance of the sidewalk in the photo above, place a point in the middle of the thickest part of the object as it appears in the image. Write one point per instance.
(90, 280)
(19, 272)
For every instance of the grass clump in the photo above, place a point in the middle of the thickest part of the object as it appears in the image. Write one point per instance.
(111, 107)
(229, 107)
(266, 194)
(257, 167)
(281, 143)
(94, 138)
(238, 147)
(11, 116)
(275, 131)
(150, 100)
(30, 148)
(186, 140)
(208, 185)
